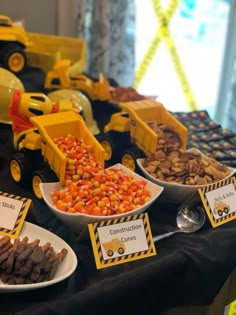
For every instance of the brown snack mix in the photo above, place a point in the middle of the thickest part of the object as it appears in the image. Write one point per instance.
(125, 94)
(189, 168)
(167, 139)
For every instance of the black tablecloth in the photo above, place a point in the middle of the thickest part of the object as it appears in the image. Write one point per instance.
(189, 269)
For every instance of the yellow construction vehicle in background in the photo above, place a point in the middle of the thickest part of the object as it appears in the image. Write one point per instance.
(19, 48)
(13, 44)
(62, 77)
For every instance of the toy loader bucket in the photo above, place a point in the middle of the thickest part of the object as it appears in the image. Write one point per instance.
(102, 88)
(46, 50)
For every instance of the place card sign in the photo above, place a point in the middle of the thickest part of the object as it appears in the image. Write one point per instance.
(13, 210)
(219, 200)
(121, 240)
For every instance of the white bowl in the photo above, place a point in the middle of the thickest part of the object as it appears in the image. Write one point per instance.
(175, 192)
(78, 221)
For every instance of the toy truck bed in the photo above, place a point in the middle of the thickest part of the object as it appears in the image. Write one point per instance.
(62, 124)
(45, 50)
(140, 113)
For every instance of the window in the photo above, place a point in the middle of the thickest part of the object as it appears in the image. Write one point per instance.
(198, 29)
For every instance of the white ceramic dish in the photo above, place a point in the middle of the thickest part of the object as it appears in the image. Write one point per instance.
(78, 221)
(66, 268)
(174, 192)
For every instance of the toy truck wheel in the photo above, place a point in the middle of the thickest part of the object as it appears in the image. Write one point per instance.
(13, 58)
(220, 213)
(130, 156)
(36, 180)
(226, 210)
(109, 253)
(109, 146)
(121, 251)
(20, 169)
(42, 176)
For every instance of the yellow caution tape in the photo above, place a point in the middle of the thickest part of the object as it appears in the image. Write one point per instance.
(164, 34)
(232, 308)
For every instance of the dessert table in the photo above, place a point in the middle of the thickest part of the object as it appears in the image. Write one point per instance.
(188, 270)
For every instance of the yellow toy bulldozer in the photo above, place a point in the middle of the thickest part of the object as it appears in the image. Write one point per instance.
(61, 77)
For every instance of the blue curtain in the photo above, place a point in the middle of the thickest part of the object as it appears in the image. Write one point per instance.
(109, 29)
(231, 113)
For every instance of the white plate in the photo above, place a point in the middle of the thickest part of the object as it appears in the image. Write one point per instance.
(66, 268)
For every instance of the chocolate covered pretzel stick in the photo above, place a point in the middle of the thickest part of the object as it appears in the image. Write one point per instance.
(25, 262)
(4, 256)
(44, 266)
(56, 261)
(17, 249)
(21, 258)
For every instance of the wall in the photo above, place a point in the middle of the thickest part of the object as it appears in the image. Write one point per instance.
(40, 16)
(44, 16)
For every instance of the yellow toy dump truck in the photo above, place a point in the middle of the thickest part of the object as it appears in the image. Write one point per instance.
(19, 48)
(115, 245)
(128, 136)
(62, 77)
(37, 158)
(221, 208)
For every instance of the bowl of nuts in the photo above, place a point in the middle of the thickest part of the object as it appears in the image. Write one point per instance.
(181, 172)
(107, 194)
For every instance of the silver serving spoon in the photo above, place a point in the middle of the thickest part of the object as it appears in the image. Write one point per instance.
(188, 221)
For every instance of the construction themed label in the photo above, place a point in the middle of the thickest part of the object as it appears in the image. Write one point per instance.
(219, 200)
(13, 210)
(121, 240)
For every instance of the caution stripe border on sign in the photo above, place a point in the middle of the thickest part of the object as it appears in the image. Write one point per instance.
(101, 262)
(227, 217)
(21, 216)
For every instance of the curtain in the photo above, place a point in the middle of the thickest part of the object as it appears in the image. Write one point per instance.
(231, 114)
(108, 27)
